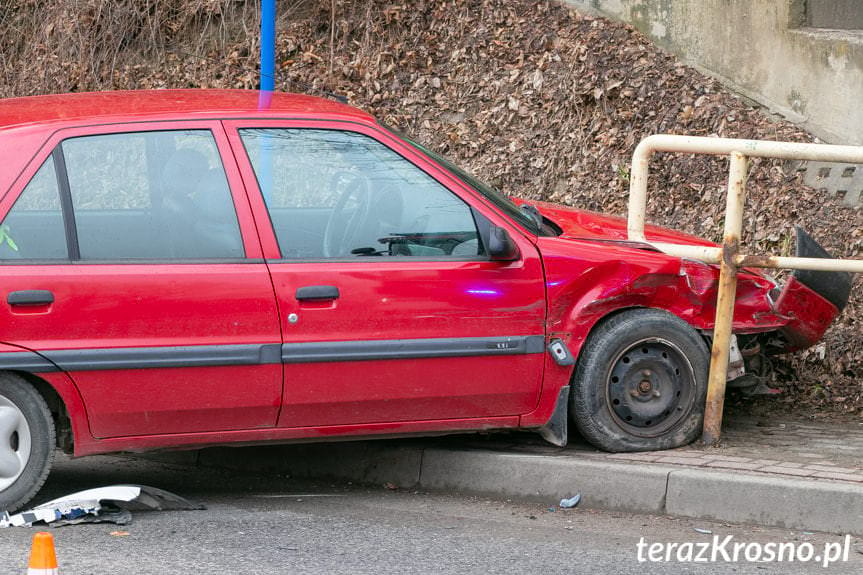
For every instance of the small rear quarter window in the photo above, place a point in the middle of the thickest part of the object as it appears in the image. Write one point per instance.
(33, 229)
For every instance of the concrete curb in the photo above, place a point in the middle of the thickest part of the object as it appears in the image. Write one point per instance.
(811, 504)
(807, 504)
(546, 478)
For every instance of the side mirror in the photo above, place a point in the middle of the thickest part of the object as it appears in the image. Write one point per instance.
(500, 246)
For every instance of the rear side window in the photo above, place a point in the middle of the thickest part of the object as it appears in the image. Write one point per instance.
(151, 195)
(33, 228)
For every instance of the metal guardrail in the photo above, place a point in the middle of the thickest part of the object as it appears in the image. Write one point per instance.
(729, 256)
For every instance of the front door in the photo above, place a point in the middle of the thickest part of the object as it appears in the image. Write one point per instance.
(390, 309)
(126, 264)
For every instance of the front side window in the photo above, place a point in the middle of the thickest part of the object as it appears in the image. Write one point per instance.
(33, 229)
(495, 196)
(335, 194)
(151, 195)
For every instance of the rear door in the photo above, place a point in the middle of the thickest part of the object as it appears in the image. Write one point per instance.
(390, 309)
(129, 259)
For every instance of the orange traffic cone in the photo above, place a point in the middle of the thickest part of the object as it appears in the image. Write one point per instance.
(43, 561)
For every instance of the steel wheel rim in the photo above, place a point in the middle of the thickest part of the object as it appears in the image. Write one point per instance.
(15, 443)
(650, 387)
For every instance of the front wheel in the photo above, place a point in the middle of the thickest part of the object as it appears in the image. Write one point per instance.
(641, 382)
(26, 442)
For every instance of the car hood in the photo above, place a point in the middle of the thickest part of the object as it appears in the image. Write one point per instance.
(587, 225)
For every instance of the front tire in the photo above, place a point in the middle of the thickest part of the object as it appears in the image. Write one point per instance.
(641, 382)
(27, 440)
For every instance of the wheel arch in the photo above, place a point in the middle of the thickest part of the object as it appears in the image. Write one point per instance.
(58, 390)
(57, 407)
(587, 326)
(591, 327)
(598, 320)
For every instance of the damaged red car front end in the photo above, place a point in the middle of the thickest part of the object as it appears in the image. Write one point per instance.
(593, 270)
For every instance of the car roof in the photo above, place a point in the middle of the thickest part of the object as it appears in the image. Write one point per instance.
(100, 107)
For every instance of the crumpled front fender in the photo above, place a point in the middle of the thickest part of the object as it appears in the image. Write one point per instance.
(586, 281)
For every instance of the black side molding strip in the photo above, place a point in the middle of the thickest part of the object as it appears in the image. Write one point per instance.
(164, 357)
(323, 351)
(26, 361)
(268, 353)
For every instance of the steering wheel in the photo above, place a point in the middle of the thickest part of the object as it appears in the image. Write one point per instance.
(343, 227)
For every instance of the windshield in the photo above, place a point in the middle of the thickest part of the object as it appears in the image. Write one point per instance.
(493, 195)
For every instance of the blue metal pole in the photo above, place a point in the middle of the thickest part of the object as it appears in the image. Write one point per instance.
(267, 85)
(268, 45)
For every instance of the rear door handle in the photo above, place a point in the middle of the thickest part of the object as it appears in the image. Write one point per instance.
(30, 297)
(317, 293)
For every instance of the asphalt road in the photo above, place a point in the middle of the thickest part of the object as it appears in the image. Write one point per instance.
(272, 524)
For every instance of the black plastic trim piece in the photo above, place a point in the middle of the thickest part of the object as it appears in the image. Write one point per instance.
(164, 357)
(317, 293)
(268, 353)
(26, 361)
(556, 429)
(173, 262)
(835, 287)
(559, 351)
(71, 227)
(380, 259)
(534, 344)
(30, 297)
(133, 262)
(324, 351)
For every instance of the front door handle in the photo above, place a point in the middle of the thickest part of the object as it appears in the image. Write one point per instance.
(317, 293)
(30, 297)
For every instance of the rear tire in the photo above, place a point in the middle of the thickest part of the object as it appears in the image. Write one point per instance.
(27, 440)
(641, 382)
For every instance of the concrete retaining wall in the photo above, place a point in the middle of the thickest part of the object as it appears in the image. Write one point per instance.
(765, 51)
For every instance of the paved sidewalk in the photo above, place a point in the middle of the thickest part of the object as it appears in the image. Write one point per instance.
(817, 450)
(797, 449)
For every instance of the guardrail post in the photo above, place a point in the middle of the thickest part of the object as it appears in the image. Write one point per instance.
(729, 256)
(738, 169)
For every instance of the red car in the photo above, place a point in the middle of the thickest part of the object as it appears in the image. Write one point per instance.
(191, 268)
